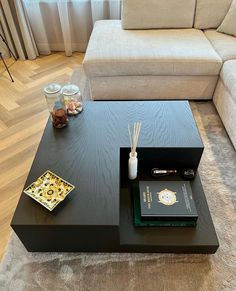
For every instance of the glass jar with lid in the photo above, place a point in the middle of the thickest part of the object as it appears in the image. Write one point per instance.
(73, 99)
(56, 106)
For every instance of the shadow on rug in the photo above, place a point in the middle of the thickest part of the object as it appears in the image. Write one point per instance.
(21, 270)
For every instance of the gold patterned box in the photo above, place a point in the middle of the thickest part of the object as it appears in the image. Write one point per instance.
(49, 190)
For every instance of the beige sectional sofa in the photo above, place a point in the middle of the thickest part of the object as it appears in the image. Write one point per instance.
(165, 49)
(225, 98)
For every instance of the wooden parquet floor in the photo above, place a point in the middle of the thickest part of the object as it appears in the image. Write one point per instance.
(23, 115)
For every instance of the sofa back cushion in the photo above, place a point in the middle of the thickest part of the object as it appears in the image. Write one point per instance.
(228, 25)
(145, 14)
(210, 13)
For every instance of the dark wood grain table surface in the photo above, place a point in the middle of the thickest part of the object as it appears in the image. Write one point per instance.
(92, 154)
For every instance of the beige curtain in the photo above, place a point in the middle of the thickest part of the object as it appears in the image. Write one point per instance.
(15, 28)
(66, 25)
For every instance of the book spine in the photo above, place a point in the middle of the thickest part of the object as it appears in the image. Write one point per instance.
(167, 224)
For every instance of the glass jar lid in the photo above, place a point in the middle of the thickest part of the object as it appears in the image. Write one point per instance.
(52, 88)
(70, 89)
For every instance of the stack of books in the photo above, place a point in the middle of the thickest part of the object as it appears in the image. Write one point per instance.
(164, 203)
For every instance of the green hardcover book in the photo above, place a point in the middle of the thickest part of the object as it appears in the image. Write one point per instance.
(142, 223)
(167, 201)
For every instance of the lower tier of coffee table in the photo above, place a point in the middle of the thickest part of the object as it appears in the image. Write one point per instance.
(200, 239)
(125, 237)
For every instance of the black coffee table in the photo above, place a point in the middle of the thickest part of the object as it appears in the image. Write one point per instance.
(92, 153)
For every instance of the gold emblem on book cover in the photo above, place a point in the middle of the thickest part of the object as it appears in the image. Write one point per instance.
(167, 197)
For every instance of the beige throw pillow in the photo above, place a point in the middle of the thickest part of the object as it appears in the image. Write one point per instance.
(228, 25)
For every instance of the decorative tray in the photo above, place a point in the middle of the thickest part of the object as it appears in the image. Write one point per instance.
(49, 190)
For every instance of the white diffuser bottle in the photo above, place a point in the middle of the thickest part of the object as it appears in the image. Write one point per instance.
(133, 166)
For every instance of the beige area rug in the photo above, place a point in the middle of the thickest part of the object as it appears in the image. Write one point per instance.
(23, 271)
(79, 78)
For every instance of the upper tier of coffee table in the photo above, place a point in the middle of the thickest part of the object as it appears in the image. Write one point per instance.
(87, 154)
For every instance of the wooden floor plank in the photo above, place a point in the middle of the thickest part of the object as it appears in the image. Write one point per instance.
(7, 102)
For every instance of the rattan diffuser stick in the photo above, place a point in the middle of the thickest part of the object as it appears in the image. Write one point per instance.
(133, 161)
(134, 138)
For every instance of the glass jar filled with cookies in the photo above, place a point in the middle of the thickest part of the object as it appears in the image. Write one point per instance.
(56, 105)
(73, 99)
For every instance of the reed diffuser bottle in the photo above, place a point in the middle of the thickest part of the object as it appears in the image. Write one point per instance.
(133, 166)
(133, 160)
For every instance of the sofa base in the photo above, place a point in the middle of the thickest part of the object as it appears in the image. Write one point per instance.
(226, 108)
(152, 87)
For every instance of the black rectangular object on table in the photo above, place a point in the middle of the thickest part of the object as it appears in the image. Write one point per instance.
(167, 200)
(138, 222)
(92, 154)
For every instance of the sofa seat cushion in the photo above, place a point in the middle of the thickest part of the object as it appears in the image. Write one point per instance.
(113, 51)
(224, 44)
(228, 76)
